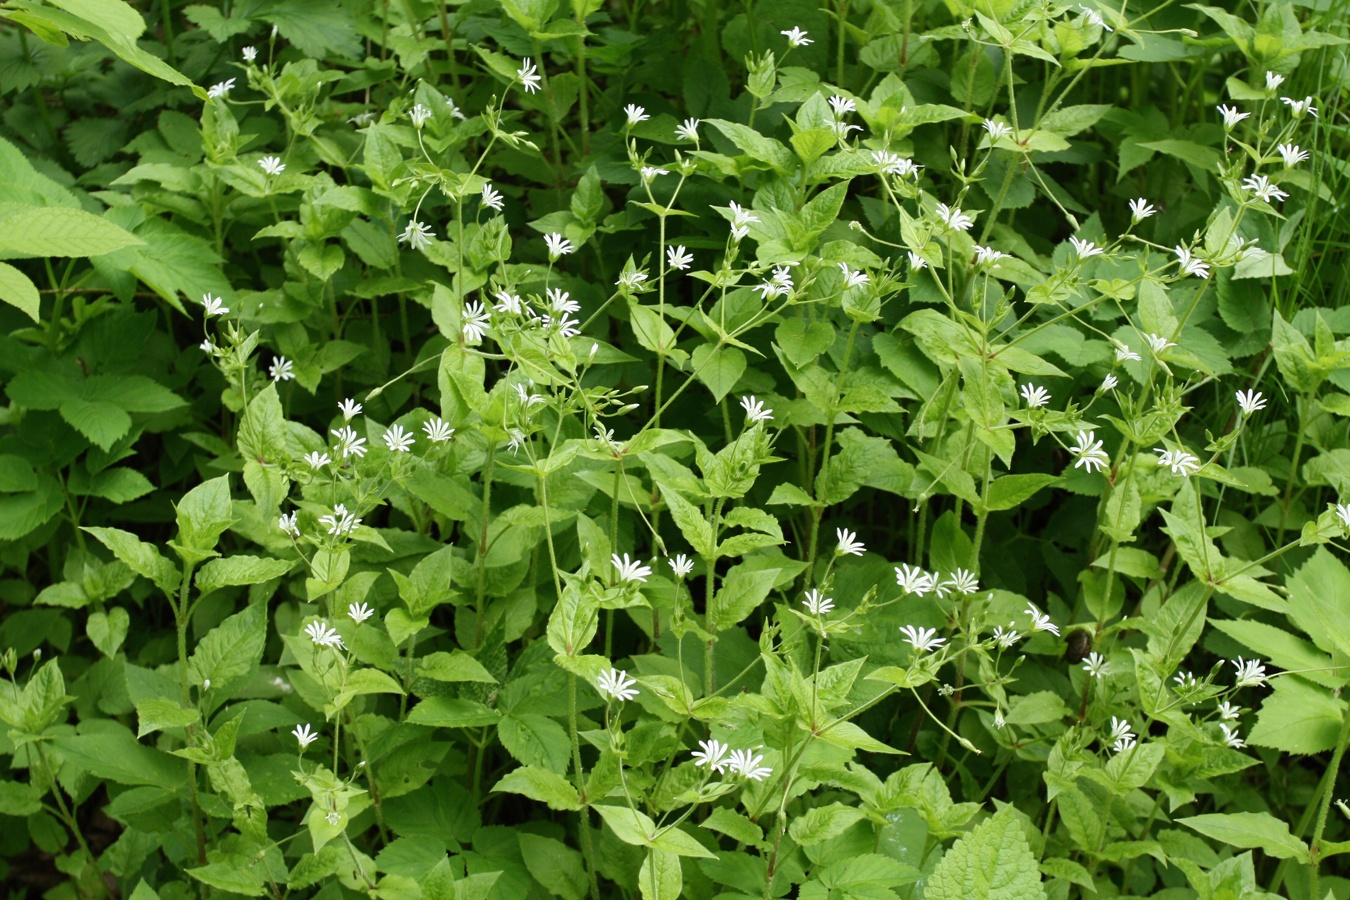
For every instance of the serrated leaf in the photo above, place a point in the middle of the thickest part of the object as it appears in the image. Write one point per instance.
(1297, 717)
(993, 862)
(232, 649)
(158, 714)
(540, 784)
(823, 823)
(59, 231)
(1258, 831)
(18, 291)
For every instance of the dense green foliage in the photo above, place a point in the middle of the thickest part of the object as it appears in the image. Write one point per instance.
(507, 449)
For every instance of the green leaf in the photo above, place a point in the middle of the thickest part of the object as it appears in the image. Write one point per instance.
(660, 877)
(535, 740)
(113, 754)
(733, 825)
(756, 146)
(18, 290)
(158, 714)
(232, 649)
(718, 367)
(1317, 592)
(318, 29)
(823, 823)
(102, 422)
(992, 862)
(1297, 717)
(1010, 491)
(453, 666)
(742, 591)
(633, 827)
(108, 630)
(140, 557)
(1283, 649)
(203, 515)
(58, 231)
(236, 571)
(1255, 831)
(452, 712)
(540, 784)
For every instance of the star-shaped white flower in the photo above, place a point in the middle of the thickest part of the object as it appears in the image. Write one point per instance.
(558, 246)
(678, 258)
(317, 460)
(1179, 461)
(214, 306)
(417, 236)
(687, 130)
(359, 612)
(304, 735)
(476, 321)
(913, 580)
(398, 440)
(848, 543)
(996, 129)
(1140, 210)
(923, 640)
(1190, 265)
(1096, 665)
(816, 603)
(281, 369)
(755, 410)
(250, 54)
(1108, 384)
(1035, 395)
(322, 635)
(745, 764)
(1089, 452)
(635, 114)
(713, 755)
(1250, 401)
(1250, 672)
(796, 37)
(272, 165)
(630, 570)
(617, 684)
(437, 431)
(419, 115)
(1085, 249)
(288, 524)
(1041, 621)
(529, 76)
(220, 89)
(492, 199)
(681, 565)
(1291, 154)
(1231, 116)
(953, 218)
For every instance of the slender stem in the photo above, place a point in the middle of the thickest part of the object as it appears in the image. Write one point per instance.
(588, 852)
(483, 545)
(1315, 856)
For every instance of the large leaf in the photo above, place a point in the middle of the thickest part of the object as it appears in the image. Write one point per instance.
(993, 862)
(232, 649)
(1258, 831)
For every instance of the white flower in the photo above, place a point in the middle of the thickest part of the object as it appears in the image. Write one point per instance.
(419, 115)
(220, 89)
(688, 131)
(1263, 188)
(796, 37)
(1085, 249)
(712, 755)
(475, 321)
(1179, 461)
(250, 54)
(916, 262)
(349, 443)
(1124, 353)
(1108, 384)
(350, 409)
(559, 302)
(417, 235)
(1096, 665)
(317, 460)
(206, 346)
(558, 246)
(1089, 452)
(630, 570)
(851, 278)
(359, 612)
(999, 721)
(913, 580)
(340, 522)
(1157, 343)
(740, 221)
(1297, 107)
(842, 106)
(996, 130)
(455, 111)
(1250, 401)
(743, 763)
(1041, 621)
(1186, 681)
(984, 255)
(438, 432)
(635, 114)
(953, 218)
(565, 326)
(398, 440)
(816, 603)
(1273, 81)
(527, 399)
(281, 369)
(848, 543)
(304, 735)
(1094, 17)
(631, 281)
(1140, 210)
(1035, 395)
(1241, 249)
(1249, 672)
(1121, 736)
(755, 410)
(492, 199)
(923, 640)
(892, 164)
(322, 635)
(1229, 712)
(508, 302)
(1006, 639)
(288, 524)
(1190, 265)
(1343, 513)
(774, 288)
(963, 581)
(1231, 116)
(333, 817)
(517, 440)
(617, 684)
(1292, 154)
(272, 165)
(1230, 736)
(682, 565)
(529, 76)
(650, 172)
(678, 258)
(214, 306)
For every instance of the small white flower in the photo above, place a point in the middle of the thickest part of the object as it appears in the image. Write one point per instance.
(1231, 116)
(322, 635)
(1242, 249)
(340, 522)
(476, 321)
(740, 220)
(743, 763)
(1108, 384)
(350, 409)
(304, 735)
(842, 106)
(1035, 395)
(923, 640)
(349, 443)
(1343, 513)
(1124, 743)
(529, 76)
(678, 258)
(1006, 639)
(682, 565)
(559, 301)
(893, 164)
(281, 369)
(508, 302)
(317, 460)
(558, 246)
(1273, 81)
(848, 543)
(796, 37)
(1250, 401)
(417, 236)
(963, 581)
(987, 255)
(207, 347)
(1094, 17)
(630, 570)
(455, 111)
(1190, 265)
(712, 755)
(631, 281)
(1157, 343)
(1124, 353)
(851, 278)
(1250, 672)
(1085, 249)
(398, 440)
(220, 89)
(1229, 712)
(1292, 154)
(1186, 681)
(1297, 107)
(1096, 665)
(617, 684)
(288, 524)
(999, 721)
(1041, 621)
(516, 440)
(688, 130)
(913, 580)
(1179, 461)
(492, 199)
(953, 218)
(1140, 210)
(250, 54)
(438, 432)
(333, 817)
(419, 115)
(635, 114)
(816, 603)
(916, 262)
(1230, 736)
(565, 326)
(1089, 452)
(1121, 736)
(272, 165)
(996, 130)
(214, 306)
(650, 172)
(755, 410)
(1263, 188)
